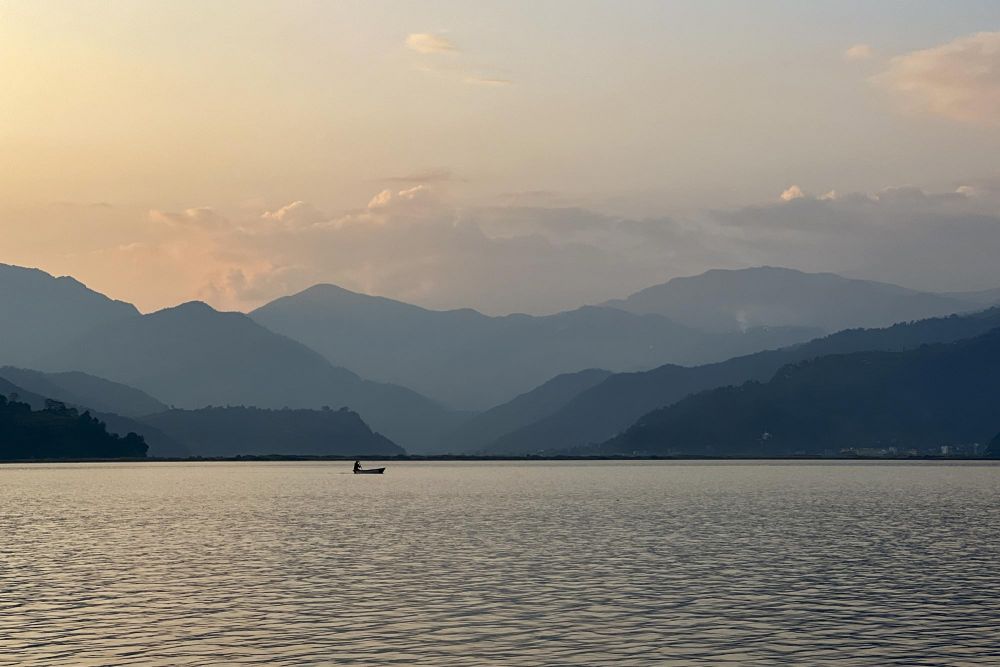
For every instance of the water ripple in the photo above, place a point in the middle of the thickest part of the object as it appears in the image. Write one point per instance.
(513, 564)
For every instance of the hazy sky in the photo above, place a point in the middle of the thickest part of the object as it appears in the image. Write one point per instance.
(501, 155)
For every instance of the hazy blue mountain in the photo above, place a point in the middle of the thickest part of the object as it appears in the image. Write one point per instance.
(192, 356)
(987, 297)
(81, 389)
(608, 408)
(39, 313)
(12, 391)
(721, 300)
(466, 359)
(233, 431)
(59, 432)
(481, 430)
(160, 443)
(921, 398)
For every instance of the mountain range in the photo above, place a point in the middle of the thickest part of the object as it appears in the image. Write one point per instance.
(600, 412)
(472, 361)
(729, 300)
(550, 383)
(944, 394)
(192, 356)
(210, 431)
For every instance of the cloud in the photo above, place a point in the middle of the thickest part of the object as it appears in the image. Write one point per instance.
(427, 43)
(906, 235)
(201, 217)
(296, 214)
(791, 193)
(416, 244)
(959, 80)
(410, 200)
(859, 52)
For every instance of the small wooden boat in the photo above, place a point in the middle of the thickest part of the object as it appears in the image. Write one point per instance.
(369, 471)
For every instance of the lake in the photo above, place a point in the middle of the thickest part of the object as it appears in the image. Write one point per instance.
(576, 563)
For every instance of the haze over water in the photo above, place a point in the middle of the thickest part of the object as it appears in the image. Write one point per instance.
(500, 563)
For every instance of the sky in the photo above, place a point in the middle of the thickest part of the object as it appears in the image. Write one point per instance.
(506, 156)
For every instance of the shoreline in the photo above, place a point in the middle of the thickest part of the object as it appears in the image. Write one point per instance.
(462, 457)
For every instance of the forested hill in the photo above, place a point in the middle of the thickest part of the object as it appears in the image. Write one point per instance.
(59, 432)
(946, 394)
(232, 431)
(613, 405)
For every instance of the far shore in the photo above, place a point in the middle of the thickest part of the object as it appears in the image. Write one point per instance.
(466, 457)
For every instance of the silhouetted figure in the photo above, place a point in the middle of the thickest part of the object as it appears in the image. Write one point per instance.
(357, 466)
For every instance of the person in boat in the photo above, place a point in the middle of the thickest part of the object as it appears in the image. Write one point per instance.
(357, 466)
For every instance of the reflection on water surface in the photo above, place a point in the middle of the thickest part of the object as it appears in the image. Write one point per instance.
(496, 563)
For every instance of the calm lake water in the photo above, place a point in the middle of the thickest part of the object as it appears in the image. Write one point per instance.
(499, 563)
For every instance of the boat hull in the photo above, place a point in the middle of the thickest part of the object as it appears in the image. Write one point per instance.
(370, 471)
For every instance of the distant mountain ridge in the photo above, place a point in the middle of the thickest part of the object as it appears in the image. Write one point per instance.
(81, 389)
(33, 427)
(986, 297)
(39, 312)
(942, 394)
(114, 404)
(228, 431)
(726, 300)
(614, 404)
(481, 431)
(470, 360)
(193, 356)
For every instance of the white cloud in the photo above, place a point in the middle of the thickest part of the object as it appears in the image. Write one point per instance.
(959, 80)
(791, 193)
(416, 244)
(458, 70)
(419, 198)
(427, 43)
(859, 52)
(296, 214)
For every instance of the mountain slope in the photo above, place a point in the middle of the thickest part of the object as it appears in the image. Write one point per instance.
(922, 398)
(987, 297)
(13, 392)
(481, 430)
(466, 359)
(82, 389)
(160, 443)
(724, 300)
(236, 431)
(611, 406)
(39, 312)
(192, 356)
